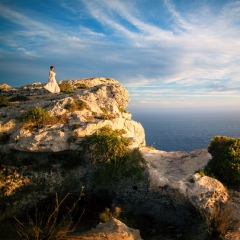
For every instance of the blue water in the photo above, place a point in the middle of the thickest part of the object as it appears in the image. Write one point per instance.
(186, 130)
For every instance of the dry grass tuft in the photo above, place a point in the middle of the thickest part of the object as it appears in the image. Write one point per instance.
(219, 221)
(49, 225)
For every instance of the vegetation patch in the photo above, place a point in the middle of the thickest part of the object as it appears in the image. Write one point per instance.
(81, 85)
(109, 150)
(10, 180)
(77, 105)
(4, 101)
(108, 214)
(71, 139)
(219, 220)
(38, 117)
(19, 98)
(66, 87)
(55, 223)
(89, 118)
(121, 110)
(225, 162)
(106, 115)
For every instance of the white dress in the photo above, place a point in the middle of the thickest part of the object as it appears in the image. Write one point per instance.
(52, 85)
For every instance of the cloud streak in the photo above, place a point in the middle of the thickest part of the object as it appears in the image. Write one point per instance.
(170, 48)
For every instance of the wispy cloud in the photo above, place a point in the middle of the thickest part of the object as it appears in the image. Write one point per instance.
(169, 48)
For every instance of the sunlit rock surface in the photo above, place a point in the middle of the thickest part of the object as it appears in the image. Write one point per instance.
(102, 95)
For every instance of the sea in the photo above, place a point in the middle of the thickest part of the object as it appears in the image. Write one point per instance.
(186, 130)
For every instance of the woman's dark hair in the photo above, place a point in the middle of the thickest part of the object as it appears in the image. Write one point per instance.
(51, 67)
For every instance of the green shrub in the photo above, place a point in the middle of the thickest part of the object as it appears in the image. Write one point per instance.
(72, 139)
(4, 101)
(106, 145)
(225, 162)
(38, 117)
(81, 85)
(121, 110)
(77, 105)
(35, 115)
(66, 87)
(111, 150)
(205, 172)
(106, 115)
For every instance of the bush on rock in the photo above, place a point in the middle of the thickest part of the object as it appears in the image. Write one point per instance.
(225, 162)
(38, 117)
(110, 150)
(4, 101)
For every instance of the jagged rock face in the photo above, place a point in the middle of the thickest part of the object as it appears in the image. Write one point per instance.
(102, 96)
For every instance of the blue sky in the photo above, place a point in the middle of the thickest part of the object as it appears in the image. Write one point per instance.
(167, 53)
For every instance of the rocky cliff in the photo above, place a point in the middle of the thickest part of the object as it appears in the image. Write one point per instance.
(169, 192)
(105, 100)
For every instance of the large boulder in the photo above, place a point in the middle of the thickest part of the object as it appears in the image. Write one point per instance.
(175, 170)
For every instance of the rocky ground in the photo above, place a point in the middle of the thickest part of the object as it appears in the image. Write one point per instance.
(169, 191)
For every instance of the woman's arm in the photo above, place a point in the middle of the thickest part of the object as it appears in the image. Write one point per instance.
(50, 76)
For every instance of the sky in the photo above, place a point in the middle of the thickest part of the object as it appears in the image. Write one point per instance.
(169, 54)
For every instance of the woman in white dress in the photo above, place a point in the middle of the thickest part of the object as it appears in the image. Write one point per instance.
(52, 85)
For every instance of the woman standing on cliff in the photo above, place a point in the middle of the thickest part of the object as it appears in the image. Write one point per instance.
(52, 85)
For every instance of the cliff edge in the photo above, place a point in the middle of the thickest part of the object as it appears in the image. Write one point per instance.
(103, 102)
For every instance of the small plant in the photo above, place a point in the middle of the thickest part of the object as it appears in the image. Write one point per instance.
(219, 220)
(35, 115)
(89, 118)
(104, 110)
(105, 145)
(205, 172)
(77, 105)
(19, 98)
(38, 117)
(81, 85)
(121, 110)
(106, 115)
(66, 87)
(72, 139)
(49, 225)
(107, 214)
(4, 101)
(109, 148)
(225, 162)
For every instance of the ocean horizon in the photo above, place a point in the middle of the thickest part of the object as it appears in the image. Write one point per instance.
(182, 130)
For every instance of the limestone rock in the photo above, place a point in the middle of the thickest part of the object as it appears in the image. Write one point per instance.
(105, 98)
(204, 192)
(4, 86)
(113, 229)
(175, 170)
